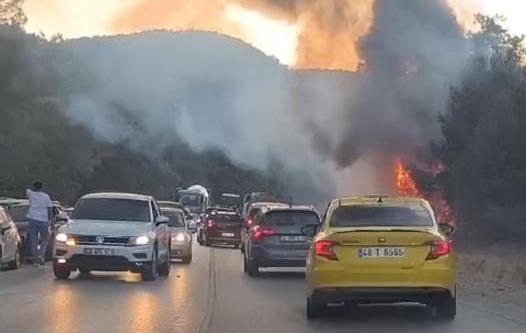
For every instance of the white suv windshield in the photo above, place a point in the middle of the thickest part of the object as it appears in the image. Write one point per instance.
(112, 210)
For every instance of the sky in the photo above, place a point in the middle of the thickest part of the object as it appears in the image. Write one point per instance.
(77, 18)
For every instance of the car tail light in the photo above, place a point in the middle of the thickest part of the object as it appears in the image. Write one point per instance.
(438, 249)
(249, 222)
(211, 223)
(260, 233)
(325, 248)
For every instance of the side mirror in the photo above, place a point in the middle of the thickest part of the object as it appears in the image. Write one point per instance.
(162, 220)
(310, 230)
(446, 229)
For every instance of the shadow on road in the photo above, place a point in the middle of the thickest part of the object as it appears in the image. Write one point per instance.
(392, 318)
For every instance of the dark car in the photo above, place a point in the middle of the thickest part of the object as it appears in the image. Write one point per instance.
(276, 238)
(18, 212)
(253, 209)
(222, 227)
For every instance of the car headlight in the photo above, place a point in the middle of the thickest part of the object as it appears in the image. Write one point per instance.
(65, 238)
(142, 240)
(61, 238)
(179, 237)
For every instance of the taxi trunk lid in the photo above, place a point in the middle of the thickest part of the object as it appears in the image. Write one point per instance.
(371, 250)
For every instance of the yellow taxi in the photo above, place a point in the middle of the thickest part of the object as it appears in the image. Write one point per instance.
(381, 250)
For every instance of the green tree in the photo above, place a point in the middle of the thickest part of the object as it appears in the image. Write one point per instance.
(484, 137)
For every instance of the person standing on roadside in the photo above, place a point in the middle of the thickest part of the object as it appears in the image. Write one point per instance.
(39, 215)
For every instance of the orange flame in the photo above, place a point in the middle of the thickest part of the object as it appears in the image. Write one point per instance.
(406, 186)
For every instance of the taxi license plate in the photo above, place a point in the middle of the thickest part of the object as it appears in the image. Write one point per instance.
(99, 251)
(227, 234)
(381, 252)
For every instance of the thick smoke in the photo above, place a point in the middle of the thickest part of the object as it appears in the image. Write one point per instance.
(413, 53)
(211, 90)
(208, 89)
(329, 31)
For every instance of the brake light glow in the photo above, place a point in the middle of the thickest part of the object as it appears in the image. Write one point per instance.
(249, 222)
(438, 249)
(325, 248)
(260, 233)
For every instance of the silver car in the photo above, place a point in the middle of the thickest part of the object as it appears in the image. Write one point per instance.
(9, 241)
(180, 234)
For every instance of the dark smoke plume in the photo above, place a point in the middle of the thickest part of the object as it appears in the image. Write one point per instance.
(413, 53)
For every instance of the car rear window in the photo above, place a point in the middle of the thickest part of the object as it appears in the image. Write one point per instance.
(369, 216)
(110, 209)
(226, 218)
(175, 219)
(253, 212)
(298, 218)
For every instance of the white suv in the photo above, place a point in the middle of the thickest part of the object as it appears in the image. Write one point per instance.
(114, 232)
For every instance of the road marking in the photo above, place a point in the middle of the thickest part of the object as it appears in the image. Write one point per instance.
(208, 314)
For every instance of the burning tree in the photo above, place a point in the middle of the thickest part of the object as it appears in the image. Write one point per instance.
(405, 185)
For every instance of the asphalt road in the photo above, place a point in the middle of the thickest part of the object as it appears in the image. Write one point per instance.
(211, 295)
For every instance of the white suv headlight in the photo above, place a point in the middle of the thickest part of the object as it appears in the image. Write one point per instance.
(61, 237)
(65, 238)
(142, 240)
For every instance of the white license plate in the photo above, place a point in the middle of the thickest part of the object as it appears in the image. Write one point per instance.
(381, 252)
(99, 251)
(227, 234)
(293, 239)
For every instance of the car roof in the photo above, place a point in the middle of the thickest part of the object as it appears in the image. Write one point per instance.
(172, 210)
(223, 212)
(267, 204)
(383, 200)
(118, 195)
(293, 208)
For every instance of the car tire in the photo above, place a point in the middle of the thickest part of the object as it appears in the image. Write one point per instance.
(61, 272)
(242, 248)
(164, 268)
(187, 259)
(252, 268)
(84, 271)
(446, 309)
(236, 246)
(150, 271)
(48, 256)
(314, 308)
(16, 262)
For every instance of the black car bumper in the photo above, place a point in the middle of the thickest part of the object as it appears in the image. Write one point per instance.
(380, 295)
(225, 240)
(265, 259)
(102, 263)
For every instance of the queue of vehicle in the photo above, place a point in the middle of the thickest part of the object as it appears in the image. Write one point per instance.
(363, 250)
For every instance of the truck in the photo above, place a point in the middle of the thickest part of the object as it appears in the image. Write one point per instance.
(196, 199)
